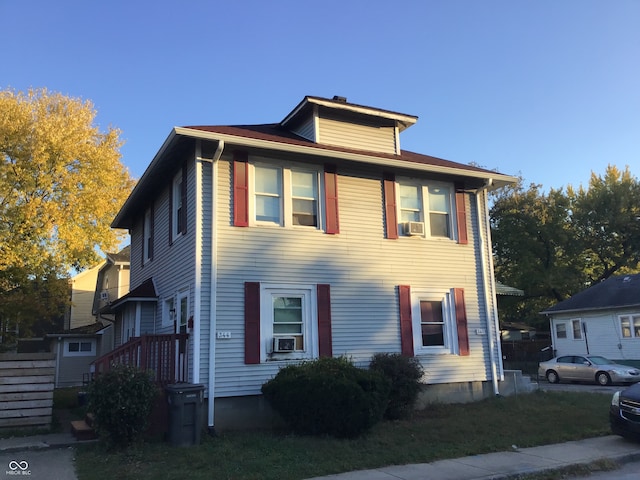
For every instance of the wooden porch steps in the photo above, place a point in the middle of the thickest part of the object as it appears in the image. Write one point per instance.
(83, 429)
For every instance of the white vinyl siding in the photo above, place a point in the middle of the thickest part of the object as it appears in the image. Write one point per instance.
(362, 137)
(603, 335)
(307, 129)
(363, 269)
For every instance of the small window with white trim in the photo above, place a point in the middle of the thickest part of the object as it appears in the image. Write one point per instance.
(288, 322)
(79, 348)
(630, 326)
(147, 236)
(561, 330)
(182, 310)
(576, 325)
(434, 321)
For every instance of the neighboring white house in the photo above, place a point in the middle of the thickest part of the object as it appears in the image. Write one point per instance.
(601, 320)
(314, 236)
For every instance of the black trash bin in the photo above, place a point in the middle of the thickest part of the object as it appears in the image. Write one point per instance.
(185, 413)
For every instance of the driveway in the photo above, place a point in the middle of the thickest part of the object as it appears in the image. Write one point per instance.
(46, 464)
(579, 387)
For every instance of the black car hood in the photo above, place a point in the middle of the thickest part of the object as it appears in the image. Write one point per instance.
(632, 393)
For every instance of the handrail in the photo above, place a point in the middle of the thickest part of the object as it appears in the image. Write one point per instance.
(165, 355)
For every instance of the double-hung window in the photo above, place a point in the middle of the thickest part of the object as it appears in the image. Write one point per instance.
(561, 330)
(268, 194)
(425, 209)
(434, 322)
(576, 325)
(178, 219)
(285, 196)
(304, 198)
(147, 245)
(289, 326)
(630, 326)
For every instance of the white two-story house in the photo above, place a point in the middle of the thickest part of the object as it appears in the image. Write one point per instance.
(317, 235)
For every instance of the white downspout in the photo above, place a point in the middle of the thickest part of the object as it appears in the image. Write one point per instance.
(214, 289)
(489, 287)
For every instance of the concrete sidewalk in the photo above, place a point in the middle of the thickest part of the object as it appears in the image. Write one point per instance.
(504, 465)
(50, 456)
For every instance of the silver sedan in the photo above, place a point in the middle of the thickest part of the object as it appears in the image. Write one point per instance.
(587, 368)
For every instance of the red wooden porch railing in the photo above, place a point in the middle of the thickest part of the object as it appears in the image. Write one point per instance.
(164, 355)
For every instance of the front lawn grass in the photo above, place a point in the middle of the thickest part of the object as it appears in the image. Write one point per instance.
(439, 432)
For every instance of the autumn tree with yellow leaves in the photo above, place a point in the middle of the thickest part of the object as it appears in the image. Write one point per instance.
(61, 185)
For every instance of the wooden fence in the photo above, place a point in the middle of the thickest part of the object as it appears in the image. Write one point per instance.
(26, 389)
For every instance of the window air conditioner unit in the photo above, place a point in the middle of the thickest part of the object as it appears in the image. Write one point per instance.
(284, 344)
(414, 228)
(104, 296)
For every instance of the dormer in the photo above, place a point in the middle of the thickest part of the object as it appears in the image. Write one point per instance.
(338, 123)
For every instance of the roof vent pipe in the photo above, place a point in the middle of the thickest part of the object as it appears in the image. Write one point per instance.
(340, 99)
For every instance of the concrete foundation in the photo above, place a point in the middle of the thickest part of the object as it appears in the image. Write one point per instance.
(255, 413)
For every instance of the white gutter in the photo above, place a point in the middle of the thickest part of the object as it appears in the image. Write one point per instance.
(214, 288)
(386, 162)
(486, 264)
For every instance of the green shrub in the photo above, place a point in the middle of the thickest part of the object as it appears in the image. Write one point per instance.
(404, 373)
(122, 400)
(328, 396)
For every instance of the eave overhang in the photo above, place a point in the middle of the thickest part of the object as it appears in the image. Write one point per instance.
(160, 167)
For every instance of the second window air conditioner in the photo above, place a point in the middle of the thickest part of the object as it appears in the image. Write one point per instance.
(414, 228)
(284, 344)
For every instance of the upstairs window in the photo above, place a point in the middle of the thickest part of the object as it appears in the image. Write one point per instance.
(425, 209)
(304, 198)
(268, 194)
(147, 236)
(285, 196)
(178, 193)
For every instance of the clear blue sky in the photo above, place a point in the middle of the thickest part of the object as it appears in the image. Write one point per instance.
(546, 89)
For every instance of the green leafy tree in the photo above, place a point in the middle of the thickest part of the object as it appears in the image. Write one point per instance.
(608, 213)
(553, 245)
(61, 184)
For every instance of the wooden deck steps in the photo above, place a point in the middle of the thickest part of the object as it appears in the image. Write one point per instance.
(83, 429)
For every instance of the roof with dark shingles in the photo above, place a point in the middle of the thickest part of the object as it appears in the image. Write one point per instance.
(615, 292)
(145, 291)
(273, 132)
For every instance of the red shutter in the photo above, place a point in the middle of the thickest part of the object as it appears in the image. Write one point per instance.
(183, 192)
(461, 321)
(461, 214)
(332, 224)
(240, 189)
(390, 212)
(406, 328)
(325, 347)
(251, 322)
